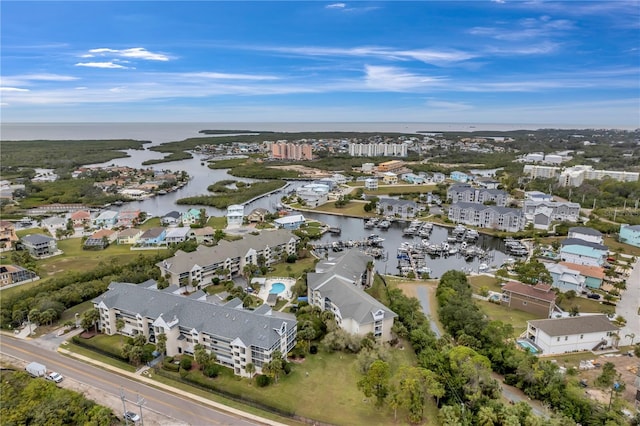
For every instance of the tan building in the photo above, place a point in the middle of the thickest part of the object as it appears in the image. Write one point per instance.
(7, 234)
(390, 166)
(291, 151)
(537, 299)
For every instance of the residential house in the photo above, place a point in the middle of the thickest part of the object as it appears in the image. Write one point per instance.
(208, 262)
(173, 218)
(178, 235)
(404, 209)
(630, 234)
(412, 178)
(39, 245)
(235, 336)
(7, 235)
(54, 224)
(438, 177)
(235, 216)
(586, 234)
(371, 184)
(581, 252)
(488, 183)
(572, 334)
(129, 236)
(313, 194)
(593, 275)
(128, 218)
(80, 218)
(293, 221)
(389, 178)
(338, 286)
(100, 239)
(204, 235)
(257, 215)
(537, 299)
(459, 176)
(191, 217)
(565, 278)
(13, 274)
(106, 219)
(339, 178)
(492, 217)
(537, 196)
(153, 236)
(390, 166)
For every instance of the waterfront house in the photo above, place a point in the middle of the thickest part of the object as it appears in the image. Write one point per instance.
(129, 236)
(491, 217)
(235, 336)
(565, 278)
(371, 184)
(39, 245)
(173, 218)
(257, 215)
(290, 222)
(80, 218)
(459, 176)
(178, 235)
(204, 235)
(593, 275)
(153, 236)
(537, 299)
(403, 209)
(581, 252)
(235, 216)
(128, 218)
(100, 239)
(630, 234)
(586, 234)
(191, 217)
(106, 219)
(227, 259)
(572, 334)
(337, 286)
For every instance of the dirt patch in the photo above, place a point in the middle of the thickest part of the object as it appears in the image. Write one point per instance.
(304, 170)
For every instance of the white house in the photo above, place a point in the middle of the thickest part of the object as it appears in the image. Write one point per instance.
(293, 221)
(581, 252)
(371, 184)
(586, 234)
(235, 216)
(178, 235)
(572, 334)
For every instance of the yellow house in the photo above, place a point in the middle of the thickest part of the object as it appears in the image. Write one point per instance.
(390, 178)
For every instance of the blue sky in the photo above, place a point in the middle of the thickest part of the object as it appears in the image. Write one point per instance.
(423, 61)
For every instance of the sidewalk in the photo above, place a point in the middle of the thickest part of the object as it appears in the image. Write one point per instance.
(144, 378)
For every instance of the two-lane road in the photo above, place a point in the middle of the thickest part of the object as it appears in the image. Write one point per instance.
(158, 400)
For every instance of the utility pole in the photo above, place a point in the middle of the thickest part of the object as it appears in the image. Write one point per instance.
(140, 402)
(124, 406)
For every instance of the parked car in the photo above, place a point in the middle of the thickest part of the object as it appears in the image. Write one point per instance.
(595, 296)
(131, 416)
(54, 377)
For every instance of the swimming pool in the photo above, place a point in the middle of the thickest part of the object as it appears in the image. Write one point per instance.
(277, 288)
(527, 345)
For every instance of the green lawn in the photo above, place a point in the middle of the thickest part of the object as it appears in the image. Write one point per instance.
(353, 208)
(70, 314)
(479, 281)
(518, 319)
(586, 305)
(400, 189)
(98, 357)
(296, 270)
(153, 222)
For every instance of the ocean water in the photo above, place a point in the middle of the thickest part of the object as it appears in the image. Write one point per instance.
(168, 132)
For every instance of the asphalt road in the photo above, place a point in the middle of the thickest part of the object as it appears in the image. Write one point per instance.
(628, 307)
(157, 400)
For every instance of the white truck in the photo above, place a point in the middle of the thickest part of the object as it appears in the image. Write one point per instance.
(36, 369)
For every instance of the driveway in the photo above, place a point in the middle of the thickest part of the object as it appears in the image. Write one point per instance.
(628, 307)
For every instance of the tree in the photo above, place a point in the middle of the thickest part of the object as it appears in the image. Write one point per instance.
(250, 368)
(201, 355)
(274, 367)
(376, 381)
(90, 319)
(119, 326)
(307, 331)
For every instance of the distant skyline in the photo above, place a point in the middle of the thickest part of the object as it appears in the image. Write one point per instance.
(500, 61)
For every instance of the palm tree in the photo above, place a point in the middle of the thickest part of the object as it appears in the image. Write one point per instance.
(119, 326)
(161, 343)
(631, 336)
(251, 369)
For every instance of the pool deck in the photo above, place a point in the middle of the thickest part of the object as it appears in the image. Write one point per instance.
(288, 284)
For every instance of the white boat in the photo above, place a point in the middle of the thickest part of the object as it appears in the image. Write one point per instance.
(453, 250)
(483, 267)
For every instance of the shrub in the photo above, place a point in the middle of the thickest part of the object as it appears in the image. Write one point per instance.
(211, 369)
(262, 380)
(185, 363)
(313, 349)
(287, 368)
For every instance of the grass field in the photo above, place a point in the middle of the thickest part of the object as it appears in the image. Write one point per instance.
(479, 281)
(94, 355)
(400, 189)
(586, 305)
(518, 319)
(353, 208)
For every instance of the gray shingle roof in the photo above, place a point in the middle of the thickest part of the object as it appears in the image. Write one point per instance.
(36, 239)
(481, 207)
(574, 325)
(579, 242)
(255, 329)
(335, 280)
(586, 231)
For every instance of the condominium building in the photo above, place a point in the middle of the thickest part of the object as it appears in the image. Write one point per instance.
(545, 172)
(468, 194)
(492, 217)
(378, 149)
(235, 336)
(574, 176)
(227, 259)
(291, 151)
(551, 211)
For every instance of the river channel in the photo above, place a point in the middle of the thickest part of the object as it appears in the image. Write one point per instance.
(352, 228)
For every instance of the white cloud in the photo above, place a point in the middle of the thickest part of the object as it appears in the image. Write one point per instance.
(336, 6)
(134, 52)
(227, 76)
(30, 79)
(100, 65)
(529, 28)
(447, 105)
(396, 79)
(12, 89)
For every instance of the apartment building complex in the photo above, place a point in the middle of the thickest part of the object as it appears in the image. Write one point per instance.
(236, 336)
(381, 149)
(291, 151)
(574, 176)
(492, 217)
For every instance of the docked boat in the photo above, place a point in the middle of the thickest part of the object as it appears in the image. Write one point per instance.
(384, 224)
(335, 230)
